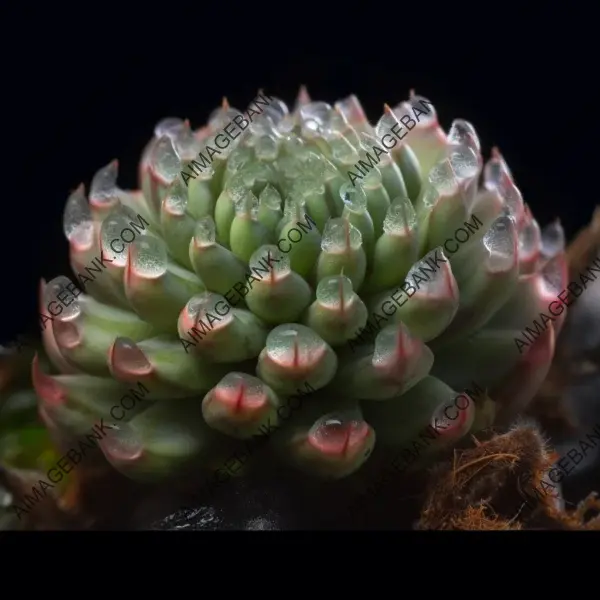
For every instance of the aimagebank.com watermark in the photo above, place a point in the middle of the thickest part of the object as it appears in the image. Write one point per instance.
(556, 474)
(409, 454)
(265, 266)
(76, 454)
(411, 286)
(95, 266)
(239, 457)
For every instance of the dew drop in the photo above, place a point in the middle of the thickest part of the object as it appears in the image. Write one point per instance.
(339, 236)
(530, 239)
(400, 218)
(58, 287)
(338, 123)
(500, 244)
(443, 177)
(385, 124)
(513, 200)
(236, 186)
(246, 205)
(496, 172)
(294, 344)
(462, 133)
(266, 148)
(315, 165)
(465, 162)
(286, 125)
(294, 207)
(308, 184)
(149, 257)
(239, 158)
(185, 143)
(342, 150)
(78, 223)
(264, 125)
(367, 141)
(116, 235)
(176, 200)
(168, 126)
(270, 198)
(310, 128)
(128, 357)
(553, 239)
(554, 276)
(293, 144)
(288, 166)
(200, 305)
(277, 110)
(165, 161)
(261, 172)
(393, 344)
(316, 111)
(205, 234)
(354, 198)
(338, 432)
(240, 390)
(103, 189)
(431, 196)
(335, 292)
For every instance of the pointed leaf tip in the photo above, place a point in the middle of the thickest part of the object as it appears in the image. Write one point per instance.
(122, 444)
(45, 386)
(104, 184)
(303, 96)
(126, 360)
(338, 434)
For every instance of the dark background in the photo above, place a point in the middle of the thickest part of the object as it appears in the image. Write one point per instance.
(86, 86)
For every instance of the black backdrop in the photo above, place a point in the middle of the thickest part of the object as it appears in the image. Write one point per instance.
(79, 91)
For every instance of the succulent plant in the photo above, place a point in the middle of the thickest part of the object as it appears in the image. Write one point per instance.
(254, 262)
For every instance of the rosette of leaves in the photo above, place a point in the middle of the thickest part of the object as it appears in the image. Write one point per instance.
(238, 284)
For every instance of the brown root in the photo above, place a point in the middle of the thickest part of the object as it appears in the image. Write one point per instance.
(579, 519)
(486, 487)
(499, 484)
